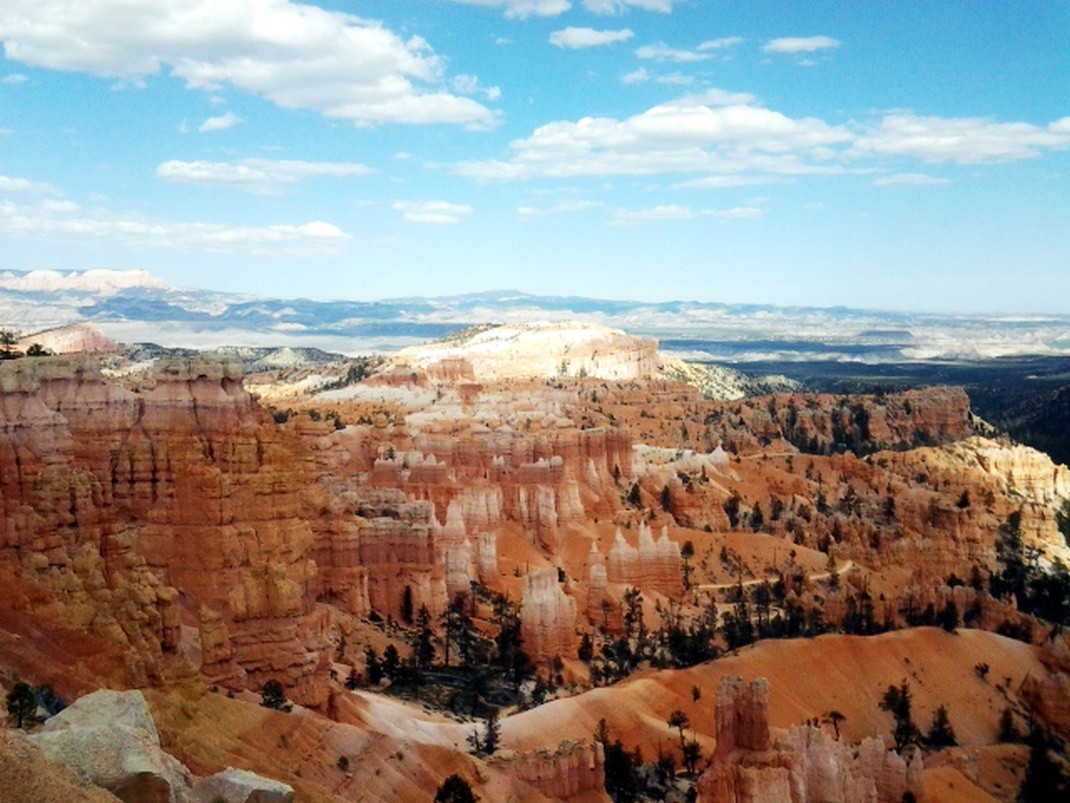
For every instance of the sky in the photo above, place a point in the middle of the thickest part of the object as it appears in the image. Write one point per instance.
(887, 155)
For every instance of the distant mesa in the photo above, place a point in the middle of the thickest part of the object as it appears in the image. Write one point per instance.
(566, 349)
(536, 351)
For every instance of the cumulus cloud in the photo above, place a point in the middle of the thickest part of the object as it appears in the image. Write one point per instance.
(620, 6)
(13, 79)
(522, 9)
(67, 221)
(296, 55)
(730, 139)
(659, 51)
(963, 140)
(220, 123)
(261, 176)
(910, 179)
(716, 132)
(575, 38)
(432, 211)
(800, 44)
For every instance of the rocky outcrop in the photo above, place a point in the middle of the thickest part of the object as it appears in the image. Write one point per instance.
(741, 716)
(805, 765)
(547, 617)
(397, 550)
(543, 350)
(109, 737)
(573, 769)
(128, 506)
(653, 566)
(241, 786)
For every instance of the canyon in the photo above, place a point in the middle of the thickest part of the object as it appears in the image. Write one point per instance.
(167, 530)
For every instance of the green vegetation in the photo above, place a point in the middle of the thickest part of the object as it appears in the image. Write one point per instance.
(21, 703)
(273, 696)
(455, 789)
(897, 702)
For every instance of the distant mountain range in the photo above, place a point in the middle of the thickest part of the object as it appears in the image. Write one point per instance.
(134, 306)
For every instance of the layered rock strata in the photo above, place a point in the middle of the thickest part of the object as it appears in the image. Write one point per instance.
(547, 617)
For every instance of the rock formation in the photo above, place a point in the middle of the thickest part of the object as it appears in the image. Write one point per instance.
(653, 566)
(805, 765)
(535, 350)
(241, 786)
(547, 617)
(121, 504)
(109, 737)
(572, 770)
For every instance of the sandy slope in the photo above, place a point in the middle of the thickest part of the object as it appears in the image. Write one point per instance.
(809, 677)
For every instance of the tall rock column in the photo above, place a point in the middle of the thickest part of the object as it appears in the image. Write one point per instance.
(547, 617)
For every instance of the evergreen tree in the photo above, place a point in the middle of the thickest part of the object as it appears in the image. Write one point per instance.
(21, 703)
(897, 701)
(941, 734)
(372, 666)
(425, 647)
(455, 789)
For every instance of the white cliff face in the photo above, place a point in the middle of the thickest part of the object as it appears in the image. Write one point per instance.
(543, 350)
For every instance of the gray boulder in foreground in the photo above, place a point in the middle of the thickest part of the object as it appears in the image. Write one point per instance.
(241, 786)
(109, 738)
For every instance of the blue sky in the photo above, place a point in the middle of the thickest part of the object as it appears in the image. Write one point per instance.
(878, 154)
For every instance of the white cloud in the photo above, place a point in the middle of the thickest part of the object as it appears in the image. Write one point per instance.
(800, 44)
(13, 79)
(620, 6)
(635, 77)
(256, 175)
(911, 179)
(575, 38)
(731, 180)
(676, 78)
(726, 139)
(560, 208)
(21, 185)
(465, 84)
(963, 140)
(65, 220)
(220, 123)
(522, 9)
(432, 211)
(659, 51)
(657, 214)
(296, 55)
(713, 133)
(670, 212)
(735, 213)
(722, 43)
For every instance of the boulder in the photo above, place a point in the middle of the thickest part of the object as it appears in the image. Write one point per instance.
(241, 786)
(109, 737)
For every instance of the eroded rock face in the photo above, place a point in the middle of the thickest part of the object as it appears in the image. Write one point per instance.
(121, 504)
(535, 350)
(109, 737)
(652, 566)
(742, 716)
(547, 617)
(805, 765)
(573, 769)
